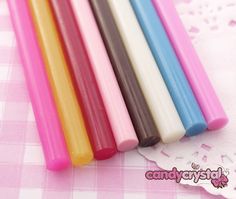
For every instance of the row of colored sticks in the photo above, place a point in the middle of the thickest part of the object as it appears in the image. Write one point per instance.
(108, 75)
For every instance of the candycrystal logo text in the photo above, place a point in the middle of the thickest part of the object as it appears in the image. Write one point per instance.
(216, 177)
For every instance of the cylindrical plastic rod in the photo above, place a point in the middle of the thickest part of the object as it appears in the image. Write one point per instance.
(69, 111)
(117, 112)
(49, 128)
(135, 101)
(157, 96)
(170, 68)
(99, 129)
(192, 66)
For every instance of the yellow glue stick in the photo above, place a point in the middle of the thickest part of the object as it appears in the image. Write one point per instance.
(62, 87)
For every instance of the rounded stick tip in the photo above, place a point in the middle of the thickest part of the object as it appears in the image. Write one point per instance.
(127, 145)
(58, 164)
(218, 123)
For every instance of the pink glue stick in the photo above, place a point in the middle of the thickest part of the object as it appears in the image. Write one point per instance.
(117, 112)
(191, 64)
(49, 128)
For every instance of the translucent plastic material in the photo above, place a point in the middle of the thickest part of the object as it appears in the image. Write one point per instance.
(45, 112)
(70, 114)
(99, 130)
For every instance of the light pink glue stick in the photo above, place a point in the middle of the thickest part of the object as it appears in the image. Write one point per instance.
(49, 128)
(117, 112)
(191, 64)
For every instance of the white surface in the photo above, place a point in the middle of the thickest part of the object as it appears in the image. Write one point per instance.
(215, 42)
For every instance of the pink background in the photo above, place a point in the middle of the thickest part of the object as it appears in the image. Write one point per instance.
(22, 171)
